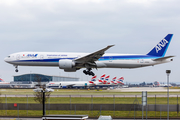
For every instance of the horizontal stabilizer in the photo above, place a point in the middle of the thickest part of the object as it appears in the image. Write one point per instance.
(163, 58)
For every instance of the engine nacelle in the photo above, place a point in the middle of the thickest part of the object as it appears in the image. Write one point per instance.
(100, 64)
(66, 64)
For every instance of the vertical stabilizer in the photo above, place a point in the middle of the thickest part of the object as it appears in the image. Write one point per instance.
(161, 48)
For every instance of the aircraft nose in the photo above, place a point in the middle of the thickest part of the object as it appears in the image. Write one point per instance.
(6, 59)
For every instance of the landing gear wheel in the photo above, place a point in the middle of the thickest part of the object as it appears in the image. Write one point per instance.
(16, 68)
(91, 73)
(85, 72)
(88, 72)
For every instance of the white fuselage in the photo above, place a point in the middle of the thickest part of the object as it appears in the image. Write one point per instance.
(73, 84)
(106, 61)
(72, 62)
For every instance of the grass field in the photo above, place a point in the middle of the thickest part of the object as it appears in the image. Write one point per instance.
(91, 114)
(86, 100)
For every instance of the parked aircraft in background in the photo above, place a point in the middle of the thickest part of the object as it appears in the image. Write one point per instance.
(104, 82)
(113, 81)
(3, 82)
(120, 81)
(100, 81)
(71, 62)
(107, 83)
(74, 84)
(93, 80)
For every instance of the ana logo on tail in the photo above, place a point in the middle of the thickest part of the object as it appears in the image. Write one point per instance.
(161, 44)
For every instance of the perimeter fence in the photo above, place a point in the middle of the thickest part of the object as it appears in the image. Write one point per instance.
(118, 106)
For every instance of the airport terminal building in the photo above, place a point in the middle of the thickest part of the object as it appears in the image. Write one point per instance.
(30, 80)
(42, 78)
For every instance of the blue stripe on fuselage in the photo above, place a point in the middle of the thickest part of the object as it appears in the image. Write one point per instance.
(104, 58)
(127, 57)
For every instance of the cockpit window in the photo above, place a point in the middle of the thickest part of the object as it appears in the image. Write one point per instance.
(8, 56)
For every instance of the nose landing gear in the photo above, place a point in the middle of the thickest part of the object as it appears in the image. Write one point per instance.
(16, 68)
(88, 72)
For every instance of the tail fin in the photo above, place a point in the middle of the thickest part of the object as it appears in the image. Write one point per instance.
(102, 77)
(161, 48)
(114, 79)
(93, 78)
(107, 78)
(121, 79)
(1, 80)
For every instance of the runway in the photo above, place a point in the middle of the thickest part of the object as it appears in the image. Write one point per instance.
(131, 92)
(92, 95)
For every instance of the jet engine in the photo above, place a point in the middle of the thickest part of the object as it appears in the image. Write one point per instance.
(66, 64)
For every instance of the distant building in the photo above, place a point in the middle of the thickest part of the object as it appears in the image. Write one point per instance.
(31, 80)
(42, 78)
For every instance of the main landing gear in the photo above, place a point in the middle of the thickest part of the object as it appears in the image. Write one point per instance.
(88, 72)
(16, 68)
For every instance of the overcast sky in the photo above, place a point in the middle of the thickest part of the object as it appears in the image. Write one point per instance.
(133, 26)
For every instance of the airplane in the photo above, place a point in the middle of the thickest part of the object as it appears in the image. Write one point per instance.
(71, 62)
(113, 81)
(93, 79)
(69, 84)
(3, 82)
(100, 81)
(120, 81)
(106, 80)
(72, 84)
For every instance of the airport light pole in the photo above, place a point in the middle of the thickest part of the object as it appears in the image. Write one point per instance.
(43, 91)
(168, 73)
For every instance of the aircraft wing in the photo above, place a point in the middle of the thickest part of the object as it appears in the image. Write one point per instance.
(162, 58)
(89, 59)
